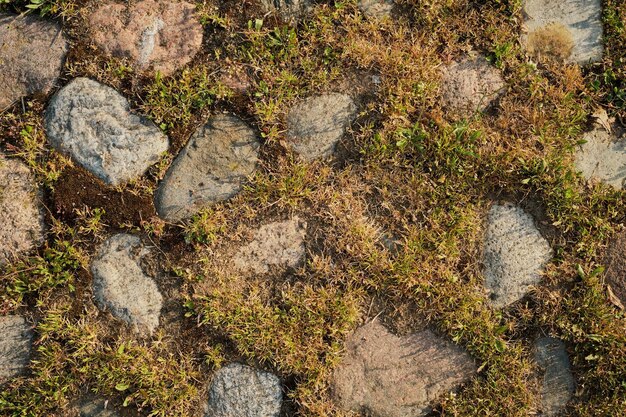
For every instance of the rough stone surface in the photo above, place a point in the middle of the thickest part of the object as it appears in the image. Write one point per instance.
(315, 125)
(241, 391)
(515, 253)
(21, 214)
(556, 380)
(121, 286)
(383, 375)
(15, 345)
(278, 243)
(470, 85)
(603, 157)
(96, 408)
(615, 261)
(376, 8)
(289, 10)
(569, 30)
(211, 168)
(161, 34)
(32, 52)
(92, 123)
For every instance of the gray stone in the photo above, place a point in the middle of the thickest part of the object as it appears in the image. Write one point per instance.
(241, 391)
(557, 382)
(94, 125)
(21, 213)
(122, 287)
(470, 85)
(291, 11)
(279, 244)
(15, 345)
(569, 30)
(315, 125)
(211, 168)
(515, 253)
(164, 35)
(603, 157)
(377, 9)
(383, 375)
(32, 52)
(96, 408)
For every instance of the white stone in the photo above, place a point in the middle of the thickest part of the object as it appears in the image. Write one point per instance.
(15, 345)
(602, 157)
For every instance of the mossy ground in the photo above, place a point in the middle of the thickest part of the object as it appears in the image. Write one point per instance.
(406, 170)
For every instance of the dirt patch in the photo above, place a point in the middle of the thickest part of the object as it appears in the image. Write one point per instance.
(77, 189)
(615, 262)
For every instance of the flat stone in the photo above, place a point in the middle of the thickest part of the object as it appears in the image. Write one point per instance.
(568, 30)
(122, 287)
(241, 391)
(470, 85)
(158, 34)
(93, 124)
(603, 157)
(291, 11)
(211, 168)
(15, 345)
(377, 9)
(96, 408)
(21, 213)
(515, 253)
(279, 244)
(556, 380)
(315, 125)
(32, 52)
(384, 375)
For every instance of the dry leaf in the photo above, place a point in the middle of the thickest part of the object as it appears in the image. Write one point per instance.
(613, 298)
(602, 118)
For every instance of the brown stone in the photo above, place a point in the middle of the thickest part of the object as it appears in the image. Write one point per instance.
(163, 35)
(31, 56)
(615, 262)
(384, 375)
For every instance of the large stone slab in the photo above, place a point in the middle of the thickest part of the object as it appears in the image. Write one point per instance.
(122, 287)
(569, 30)
(15, 345)
(93, 124)
(96, 407)
(376, 9)
(291, 11)
(161, 34)
(241, 391)
(470, 85)
(315, 125)
(515, 253)
(32, 52)
(211, 168)
(278, 244)
(556, 380)
(603, 156)
(21, 214)
(383, 375)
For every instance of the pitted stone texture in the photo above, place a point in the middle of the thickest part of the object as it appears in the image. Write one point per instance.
(21, 214)
(279, 243)
(377, 9)
(603, 157)
(383, 375)
(315, 125)
(161, 34)
(289, 10)
(32, 52)
(96, 408)
(515, 253)
(569, 30)
(241, 391)
(94, 125)
(557, 382)
(211, 168)
(470, 86)
(15, 344)
(121, 286)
